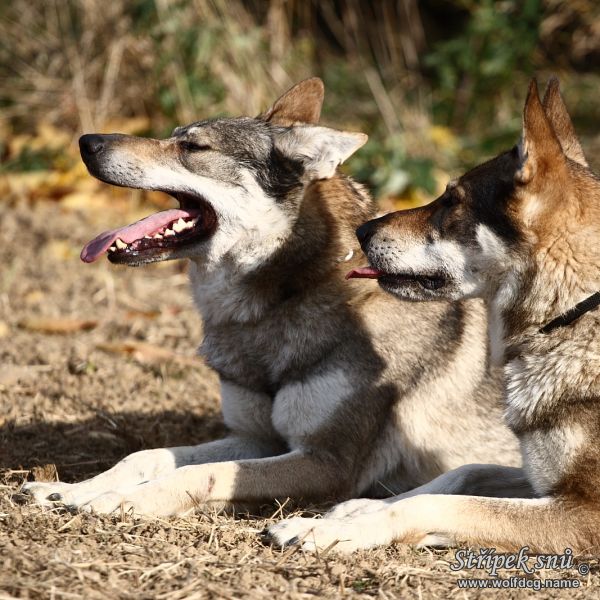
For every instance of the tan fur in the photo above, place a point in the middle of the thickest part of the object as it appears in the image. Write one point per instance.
(331, 388)
(523, 233)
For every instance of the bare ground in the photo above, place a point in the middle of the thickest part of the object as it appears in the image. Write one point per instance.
(73, 403)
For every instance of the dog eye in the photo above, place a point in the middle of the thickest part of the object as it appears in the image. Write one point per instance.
(194, 147)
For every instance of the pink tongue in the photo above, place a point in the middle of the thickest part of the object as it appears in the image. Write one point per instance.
(99, 245)
(364, 273)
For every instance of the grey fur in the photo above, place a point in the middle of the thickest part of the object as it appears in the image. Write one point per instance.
(331, 388)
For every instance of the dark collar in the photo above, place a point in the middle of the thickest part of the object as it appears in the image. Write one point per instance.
(573, 313)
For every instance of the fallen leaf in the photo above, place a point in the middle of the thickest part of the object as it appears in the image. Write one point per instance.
(45, 473)
(60, 325)
(11, 374)
(147, 353)
(131, 125)
(145, 314)
(62, 250)
(34, 297)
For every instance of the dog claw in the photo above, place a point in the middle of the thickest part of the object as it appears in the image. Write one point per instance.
(21, 497)
(291, 542)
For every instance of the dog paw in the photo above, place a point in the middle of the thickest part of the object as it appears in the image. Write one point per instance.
(358, 506)
(149, 499)
(45, 493)
(336, 535)
(110, 502)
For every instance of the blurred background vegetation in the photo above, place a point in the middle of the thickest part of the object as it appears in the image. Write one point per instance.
(437, 84)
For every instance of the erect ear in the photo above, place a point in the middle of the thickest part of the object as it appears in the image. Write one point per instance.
(539, 149)
(300, 104)
(557, 114)
(319, 149)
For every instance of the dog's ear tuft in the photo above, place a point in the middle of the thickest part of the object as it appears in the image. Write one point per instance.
(300, 104)
(320, 149)
(539, 149)
(559, 118)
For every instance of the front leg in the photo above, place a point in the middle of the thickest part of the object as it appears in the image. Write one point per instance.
(147, 465)
(496, 481)
(296, 474)
(246, 413)
(365, 523)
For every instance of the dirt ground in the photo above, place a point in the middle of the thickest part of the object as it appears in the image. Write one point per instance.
(98, 361)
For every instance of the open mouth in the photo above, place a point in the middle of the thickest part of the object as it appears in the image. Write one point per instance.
(158, 236)
(429, 282)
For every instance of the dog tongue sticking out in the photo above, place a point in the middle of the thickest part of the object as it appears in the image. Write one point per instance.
(364, 273)
(145, 227)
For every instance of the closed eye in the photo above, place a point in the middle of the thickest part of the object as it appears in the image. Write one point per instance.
(193, 146)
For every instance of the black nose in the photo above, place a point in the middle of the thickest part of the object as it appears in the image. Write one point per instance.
(91, 143)
(365, 232)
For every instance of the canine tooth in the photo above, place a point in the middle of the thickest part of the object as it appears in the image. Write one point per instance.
(121, 245)
(157, 236)
(169, 232)
(112, 249)
(179, 226)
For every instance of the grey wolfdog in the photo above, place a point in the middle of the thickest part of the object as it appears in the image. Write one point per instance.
(330, 388)
(522, 232)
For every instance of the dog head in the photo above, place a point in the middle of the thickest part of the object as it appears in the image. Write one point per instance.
(481, 233)
(239, 181)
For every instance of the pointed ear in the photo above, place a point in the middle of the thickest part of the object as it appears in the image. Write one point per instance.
(539, 149)
(557, 114)
(320, 149)
(300, 104)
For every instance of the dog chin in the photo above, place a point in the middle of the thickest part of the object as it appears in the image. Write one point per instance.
(410, 292)
(414, 291)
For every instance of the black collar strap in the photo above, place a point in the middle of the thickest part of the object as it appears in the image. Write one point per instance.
(573, 313)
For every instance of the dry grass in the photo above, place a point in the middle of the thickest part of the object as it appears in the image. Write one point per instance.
(85, 64)
(71, 408)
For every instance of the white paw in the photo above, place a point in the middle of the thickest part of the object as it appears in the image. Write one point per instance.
(46, 493)
(109, 502)
(79, 494)
(73, 495)
(355, 507)
(151, 499)
(339, 535)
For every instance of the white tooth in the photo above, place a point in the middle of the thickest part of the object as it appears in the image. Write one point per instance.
(112, 249)
(120, 244)
(179, 226)
(170, 232)
(147, 237)
(157, 236)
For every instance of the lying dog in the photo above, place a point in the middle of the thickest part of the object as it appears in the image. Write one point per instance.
(522, 232)
(330, 388)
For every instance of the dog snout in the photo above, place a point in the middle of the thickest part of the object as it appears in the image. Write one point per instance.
(365, 232)
(91, 143)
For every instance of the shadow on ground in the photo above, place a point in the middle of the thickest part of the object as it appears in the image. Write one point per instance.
(85, 448)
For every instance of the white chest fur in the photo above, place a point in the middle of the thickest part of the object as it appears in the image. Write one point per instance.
(301, 408)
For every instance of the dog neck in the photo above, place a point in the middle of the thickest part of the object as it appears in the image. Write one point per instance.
(555, 287)
(314, 254)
